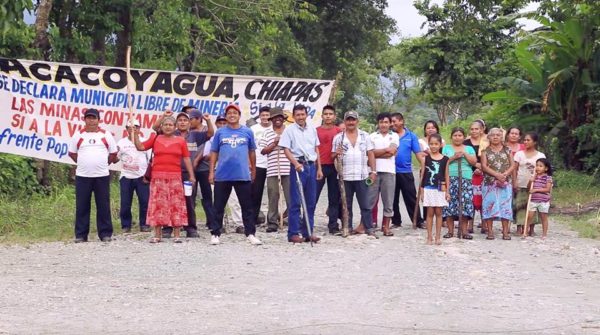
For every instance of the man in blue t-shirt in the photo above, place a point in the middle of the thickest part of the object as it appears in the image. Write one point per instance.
(233, 148)
(405, 181)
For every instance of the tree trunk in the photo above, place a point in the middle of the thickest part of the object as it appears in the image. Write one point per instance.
(42, 43)
(124, 36)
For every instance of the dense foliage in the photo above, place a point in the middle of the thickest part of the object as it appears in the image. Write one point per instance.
(474, 60)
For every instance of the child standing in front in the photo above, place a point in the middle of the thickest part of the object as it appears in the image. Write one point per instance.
(540, 193)
(434, 187)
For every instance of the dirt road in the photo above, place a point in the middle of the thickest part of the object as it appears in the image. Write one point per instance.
(357, 285)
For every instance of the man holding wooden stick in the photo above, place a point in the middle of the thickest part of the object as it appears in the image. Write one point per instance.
(359, 171)
(278, 169)
(300, 143)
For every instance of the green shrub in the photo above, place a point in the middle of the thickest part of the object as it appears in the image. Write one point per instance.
(17, 175)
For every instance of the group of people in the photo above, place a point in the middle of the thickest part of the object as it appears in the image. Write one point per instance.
(486, 171)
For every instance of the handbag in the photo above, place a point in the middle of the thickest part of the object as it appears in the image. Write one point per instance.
(148, 174)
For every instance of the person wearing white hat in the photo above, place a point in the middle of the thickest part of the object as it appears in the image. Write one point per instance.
(134, 164)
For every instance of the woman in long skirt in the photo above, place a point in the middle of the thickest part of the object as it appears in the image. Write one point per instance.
(498, 166)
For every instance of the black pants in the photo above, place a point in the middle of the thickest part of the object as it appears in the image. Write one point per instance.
(207, 197)
(243, 190)
(405, 183)
(330, 177)
(84, 187)
(258, 187)
(190, 206)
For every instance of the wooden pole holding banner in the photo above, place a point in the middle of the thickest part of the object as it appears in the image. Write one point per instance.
(131, 114)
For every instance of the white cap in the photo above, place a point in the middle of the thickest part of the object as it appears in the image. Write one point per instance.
(135, 123)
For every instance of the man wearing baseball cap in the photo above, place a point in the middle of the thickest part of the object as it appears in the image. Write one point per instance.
(93, 149)
(356, 151)
(233, 148)
(134, 164)
(278, 168)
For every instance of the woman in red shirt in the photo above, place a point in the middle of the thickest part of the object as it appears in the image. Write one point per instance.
(166, 206)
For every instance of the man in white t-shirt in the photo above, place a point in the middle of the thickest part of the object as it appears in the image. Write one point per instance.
(258, 185)
(385, 145)
(134, 164)
(93, 149)
(356, 149)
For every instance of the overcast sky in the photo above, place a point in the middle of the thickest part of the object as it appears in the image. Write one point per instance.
(409, 21)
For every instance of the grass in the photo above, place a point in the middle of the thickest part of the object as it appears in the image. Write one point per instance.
(586, 225)
(573, 189)
(41, 217)
(49, 217)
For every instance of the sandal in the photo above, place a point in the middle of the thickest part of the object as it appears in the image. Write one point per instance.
(490, 238)
(448, 235)
(506, 237)
(467, 237)
(387, 233)
(177, 240)
(155, 240)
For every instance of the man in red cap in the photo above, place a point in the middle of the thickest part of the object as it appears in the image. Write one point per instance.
(233, 165)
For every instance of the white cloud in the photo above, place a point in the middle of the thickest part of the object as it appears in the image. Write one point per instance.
(408, 20)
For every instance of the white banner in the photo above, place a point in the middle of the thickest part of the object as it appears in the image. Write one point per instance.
(42, 103)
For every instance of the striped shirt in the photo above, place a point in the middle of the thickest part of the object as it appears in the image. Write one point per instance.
(276, 160)
(539, 182)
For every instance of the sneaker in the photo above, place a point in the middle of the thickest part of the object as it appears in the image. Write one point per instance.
(79, 240)
(253, 240)
(126, 230)
(106, 239)
(145, 229)
(214, 240)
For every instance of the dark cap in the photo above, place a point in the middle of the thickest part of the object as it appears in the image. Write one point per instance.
(182, 114)
(276, 111)
(220, 117)
(234, 106)
(92, 111)
(351, 114)
(195, 114)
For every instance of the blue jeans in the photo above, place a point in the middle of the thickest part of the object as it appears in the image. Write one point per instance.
(84, 187)
(142, 189)
(308, 179)
(333, 193)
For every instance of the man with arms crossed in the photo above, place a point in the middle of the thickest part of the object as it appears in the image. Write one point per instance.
(385, 144)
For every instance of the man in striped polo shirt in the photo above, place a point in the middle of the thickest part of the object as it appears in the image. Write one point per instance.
(278, 167)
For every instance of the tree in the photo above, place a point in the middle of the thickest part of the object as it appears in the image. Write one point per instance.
(562, 63)
(464, 51)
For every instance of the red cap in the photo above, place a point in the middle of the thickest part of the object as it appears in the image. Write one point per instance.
(234, 106)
